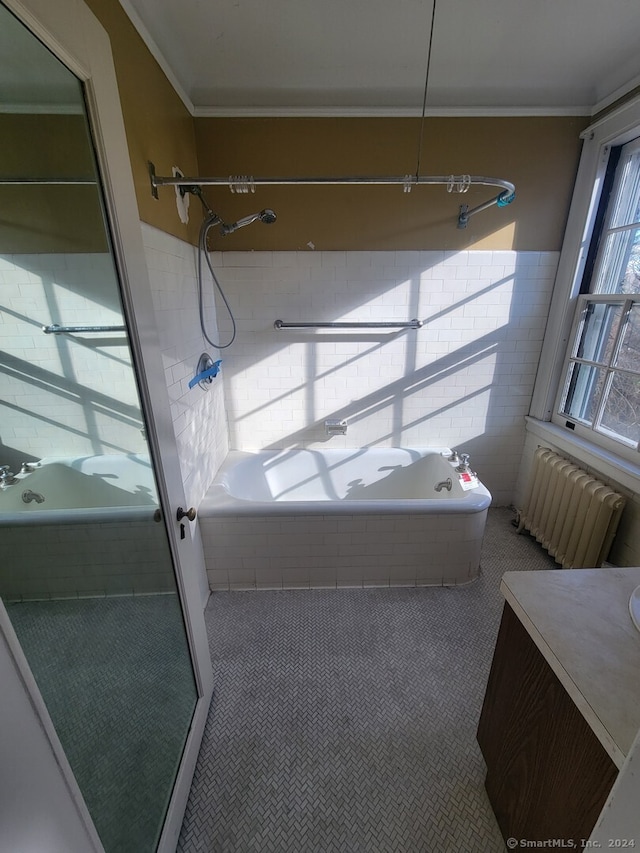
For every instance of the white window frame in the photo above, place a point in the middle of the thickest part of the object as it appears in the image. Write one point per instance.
(617, 128)
(595, 431)
(630, 149)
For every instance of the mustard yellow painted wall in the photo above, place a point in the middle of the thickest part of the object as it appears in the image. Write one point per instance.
(158, 125)
(539, 155)
(45, 217)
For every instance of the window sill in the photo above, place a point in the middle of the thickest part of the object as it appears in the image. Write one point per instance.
(607, 464)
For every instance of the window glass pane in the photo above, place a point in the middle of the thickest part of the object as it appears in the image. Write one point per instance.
(620, 268)
(583, 392)
(621, 414)
(601, 321)
(626, 206)
(629, 354)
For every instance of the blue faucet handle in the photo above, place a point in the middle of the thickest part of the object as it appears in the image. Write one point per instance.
(209, 373)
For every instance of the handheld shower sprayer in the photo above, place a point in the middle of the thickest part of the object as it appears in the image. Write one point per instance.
(212, 219)
(267, 216)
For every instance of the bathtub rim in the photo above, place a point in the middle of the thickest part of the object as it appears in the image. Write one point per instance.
(85, 515)
(218, 502)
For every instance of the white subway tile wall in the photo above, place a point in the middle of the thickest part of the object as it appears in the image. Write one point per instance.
(317, 551)
(199, 416)
(85, 560)
(64, 395)
(464, 380)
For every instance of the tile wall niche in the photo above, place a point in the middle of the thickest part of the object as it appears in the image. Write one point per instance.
(199, 416)
(463, 380)
(56, 390)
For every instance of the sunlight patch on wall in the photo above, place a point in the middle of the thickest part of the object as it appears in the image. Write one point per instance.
(465, 377)
(500, 239)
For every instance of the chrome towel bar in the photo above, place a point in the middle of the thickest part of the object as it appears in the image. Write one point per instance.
(54, 329)
(411, 324)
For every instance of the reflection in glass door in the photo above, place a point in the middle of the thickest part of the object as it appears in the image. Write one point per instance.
(87, 576)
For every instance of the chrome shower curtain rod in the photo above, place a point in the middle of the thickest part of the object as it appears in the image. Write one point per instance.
(247, 183)
(53, 182)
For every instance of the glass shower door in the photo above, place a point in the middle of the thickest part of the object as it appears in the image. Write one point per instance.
(87, 576)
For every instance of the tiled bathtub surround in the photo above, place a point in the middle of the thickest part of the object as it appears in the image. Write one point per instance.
(463, 380)
(199, 416)
(77, 560)
(341, 550)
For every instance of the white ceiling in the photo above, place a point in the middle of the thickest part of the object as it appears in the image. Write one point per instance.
(328, 56)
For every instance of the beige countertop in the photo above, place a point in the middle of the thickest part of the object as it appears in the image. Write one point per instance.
(580, 621)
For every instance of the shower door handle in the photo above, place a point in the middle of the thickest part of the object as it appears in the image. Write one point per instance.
(186, 513)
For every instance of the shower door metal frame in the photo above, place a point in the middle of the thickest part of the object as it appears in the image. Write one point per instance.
(71, 31)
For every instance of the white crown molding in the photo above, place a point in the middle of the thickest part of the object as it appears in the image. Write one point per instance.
(615, 96)
(385, 112)
(157, 54)
(623, 121)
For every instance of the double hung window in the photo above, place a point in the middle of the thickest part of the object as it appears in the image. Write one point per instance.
(600, 395)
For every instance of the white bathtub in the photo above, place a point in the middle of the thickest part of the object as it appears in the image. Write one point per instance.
(94, 534)
(361, 517)
(90, 489)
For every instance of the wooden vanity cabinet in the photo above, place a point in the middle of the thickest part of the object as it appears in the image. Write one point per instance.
(548, 776)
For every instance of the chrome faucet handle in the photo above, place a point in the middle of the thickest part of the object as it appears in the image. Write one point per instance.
(7, 477)
(26, 468)
(463, 467)
(454, 457)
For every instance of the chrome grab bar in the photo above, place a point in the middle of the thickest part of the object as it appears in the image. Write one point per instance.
(411, 324)
(55, 329)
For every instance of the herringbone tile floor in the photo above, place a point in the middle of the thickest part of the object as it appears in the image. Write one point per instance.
(117, 680)
(345, 720)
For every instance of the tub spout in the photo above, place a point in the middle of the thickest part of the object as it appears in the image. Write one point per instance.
(335, 427)
(28, 496)
(445, 484)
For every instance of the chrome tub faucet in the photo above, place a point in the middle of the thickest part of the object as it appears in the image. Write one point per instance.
(28, 496)
(7, 477)
(463, 467)
(335, 426)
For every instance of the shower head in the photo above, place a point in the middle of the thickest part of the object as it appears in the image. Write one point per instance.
(267, 216)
